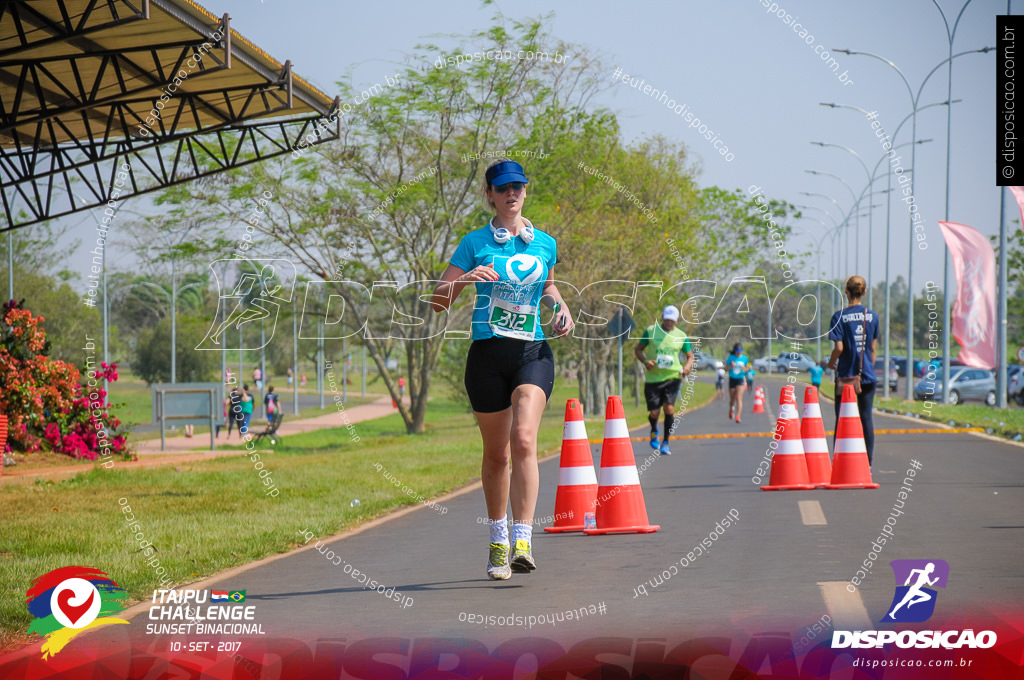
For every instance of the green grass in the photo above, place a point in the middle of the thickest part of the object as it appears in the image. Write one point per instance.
(962, 415)
(207, 516)
(133, 402)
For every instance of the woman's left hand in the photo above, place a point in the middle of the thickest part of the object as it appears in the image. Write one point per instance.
(563, 322)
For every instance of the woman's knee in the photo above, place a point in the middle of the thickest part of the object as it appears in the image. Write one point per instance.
(496, 458)
(523, 441)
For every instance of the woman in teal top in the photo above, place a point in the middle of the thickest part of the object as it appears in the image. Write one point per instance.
(246, 409)
(510, 370)
(736, 363)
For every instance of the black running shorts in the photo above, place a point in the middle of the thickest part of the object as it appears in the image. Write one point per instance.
(497, 366)
(737, 382)
(664, 392)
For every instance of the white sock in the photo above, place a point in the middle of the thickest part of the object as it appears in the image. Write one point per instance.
(499, 530)
(522, 531)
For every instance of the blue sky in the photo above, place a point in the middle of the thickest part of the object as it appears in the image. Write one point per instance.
(742, 71)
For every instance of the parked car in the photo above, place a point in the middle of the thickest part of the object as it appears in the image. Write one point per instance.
(894, 375)
(702, 360)
(1015, 384)
(794, 361)
(964, 383)
(786, 361)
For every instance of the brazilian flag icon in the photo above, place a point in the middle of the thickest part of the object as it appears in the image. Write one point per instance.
(237, 596)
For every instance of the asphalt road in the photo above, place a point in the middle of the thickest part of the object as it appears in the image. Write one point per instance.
(780, 568)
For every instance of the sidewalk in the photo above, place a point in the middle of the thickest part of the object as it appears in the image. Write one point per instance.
(181, 449)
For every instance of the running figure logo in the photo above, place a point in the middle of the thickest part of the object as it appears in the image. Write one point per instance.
(914, 601)
(256, 295)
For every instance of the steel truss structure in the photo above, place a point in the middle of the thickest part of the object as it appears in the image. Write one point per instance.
(87, 86)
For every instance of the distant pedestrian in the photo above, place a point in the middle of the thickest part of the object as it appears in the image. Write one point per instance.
(302, 382)
(235, 416)
(226, 422)
(816, 372)
(855, 334)
(291, 376)
(257, 377)
(270, 404)
(750, 377)
(246, 404)
(401, 387)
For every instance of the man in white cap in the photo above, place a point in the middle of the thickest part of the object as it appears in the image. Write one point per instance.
(659, 350)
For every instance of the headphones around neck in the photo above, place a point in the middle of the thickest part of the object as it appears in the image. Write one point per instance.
(503, 235)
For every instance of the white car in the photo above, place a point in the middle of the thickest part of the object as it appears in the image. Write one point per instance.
(702, 360)
(786, 361)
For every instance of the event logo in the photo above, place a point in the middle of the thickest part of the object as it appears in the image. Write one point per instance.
(66, 601)
(914, 601)
(523, 269)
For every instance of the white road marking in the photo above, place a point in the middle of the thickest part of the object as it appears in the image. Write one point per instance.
(846, 609)
(811, 514)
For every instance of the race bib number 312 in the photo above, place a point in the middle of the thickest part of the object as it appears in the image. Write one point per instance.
(513, 321)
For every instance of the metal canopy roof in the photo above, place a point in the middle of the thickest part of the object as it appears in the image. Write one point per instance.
(163, 85)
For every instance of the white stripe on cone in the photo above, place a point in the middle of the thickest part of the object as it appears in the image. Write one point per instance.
(812, 410)
(576, 476)
(816, 445)
(616, 429)
(849, 410)
(624, 475)
(854, 445)
(789, 447)
(574, 429)
(787, 412)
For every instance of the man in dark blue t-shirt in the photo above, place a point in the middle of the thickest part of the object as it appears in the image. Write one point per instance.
(854, 330)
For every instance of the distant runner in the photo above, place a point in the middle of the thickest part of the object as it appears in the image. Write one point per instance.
(658, 350)
(737, 363)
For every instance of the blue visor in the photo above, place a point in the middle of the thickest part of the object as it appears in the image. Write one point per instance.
(505, 172)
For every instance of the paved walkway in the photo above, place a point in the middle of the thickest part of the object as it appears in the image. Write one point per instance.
(181, 449)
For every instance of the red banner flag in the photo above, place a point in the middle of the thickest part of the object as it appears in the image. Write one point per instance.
(974, 312)
(1018, 193)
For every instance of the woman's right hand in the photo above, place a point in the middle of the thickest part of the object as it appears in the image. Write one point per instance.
(484, 272)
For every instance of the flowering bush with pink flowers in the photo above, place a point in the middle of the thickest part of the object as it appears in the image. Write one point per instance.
(47, 406)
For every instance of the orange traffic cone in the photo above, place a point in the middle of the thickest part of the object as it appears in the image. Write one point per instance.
(620, 500)
(758, 399)
(850, 468)
(577, 482)
(812, 434)
(789, 468)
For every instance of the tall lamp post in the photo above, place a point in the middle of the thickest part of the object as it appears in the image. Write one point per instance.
(853, 195)
(819, 242)
(839, 228)
(870, 179)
